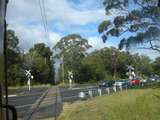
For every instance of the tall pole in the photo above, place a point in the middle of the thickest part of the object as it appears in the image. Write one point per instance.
(114, 65)
(63, 68)
(3, 80)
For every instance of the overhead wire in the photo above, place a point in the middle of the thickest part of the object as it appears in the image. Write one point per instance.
(44, 18)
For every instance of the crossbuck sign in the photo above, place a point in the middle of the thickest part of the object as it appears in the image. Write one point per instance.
(29, 77)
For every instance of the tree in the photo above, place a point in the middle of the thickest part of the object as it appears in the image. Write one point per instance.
(15, 73)
(72, 49)
(12, 40)
(156, 66)
(12, 48)
(42, 50)
(102, 64)
(92, 69)
(38, 59)
(140, 18)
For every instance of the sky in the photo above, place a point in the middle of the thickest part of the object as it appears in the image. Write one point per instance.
(63, 17)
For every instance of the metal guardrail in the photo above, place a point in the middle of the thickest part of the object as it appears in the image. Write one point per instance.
(93, 92)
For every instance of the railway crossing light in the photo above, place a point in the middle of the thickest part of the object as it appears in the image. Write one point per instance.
(70, 77)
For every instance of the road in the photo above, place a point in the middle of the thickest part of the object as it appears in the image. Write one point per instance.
(23, 99)
(71, 94)
(51, 105)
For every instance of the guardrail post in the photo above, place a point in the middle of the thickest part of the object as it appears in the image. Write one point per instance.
(100, 92)
(108, 91)
(114, 89)
(82, 95)
(121, 88)
(126, 87)
(90, 93)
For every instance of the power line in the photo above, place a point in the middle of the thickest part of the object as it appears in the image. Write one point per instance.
(44, 18)
(42, 15)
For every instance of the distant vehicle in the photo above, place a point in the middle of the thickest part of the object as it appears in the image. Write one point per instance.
(143, 80)
(154, 78)
(135, 81)
(122, 83)
(106, 83)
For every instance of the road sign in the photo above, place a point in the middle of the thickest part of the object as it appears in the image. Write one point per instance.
(28, 72)
(130, 72)
(29, 77)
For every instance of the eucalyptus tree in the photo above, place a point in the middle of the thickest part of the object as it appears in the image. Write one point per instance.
(137, 23)
(71, 49)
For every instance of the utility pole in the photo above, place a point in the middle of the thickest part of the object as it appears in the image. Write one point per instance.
(63, 68)
(114, 64)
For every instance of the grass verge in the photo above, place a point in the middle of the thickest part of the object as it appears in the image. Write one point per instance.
(136, 104)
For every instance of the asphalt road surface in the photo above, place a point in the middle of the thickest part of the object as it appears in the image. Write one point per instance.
(22, 99)
(72, 94)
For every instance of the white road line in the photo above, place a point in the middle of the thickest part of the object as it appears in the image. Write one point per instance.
(21, 106)
(28, 94)
(10, 96)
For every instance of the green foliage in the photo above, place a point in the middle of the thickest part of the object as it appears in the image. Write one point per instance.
(72, 49)
(103, 26)
(15, 75)
(156, 66)
(12, 40)
(38, 59)
(144, 21)
(140, 104)
(91, 69)
(42, 50)
(110, 64)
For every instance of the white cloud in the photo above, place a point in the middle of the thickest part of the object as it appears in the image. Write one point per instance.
(23, 11)
(26, 11)
(24, 17)
(150, 53)
(30, 35)
(97, 43)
